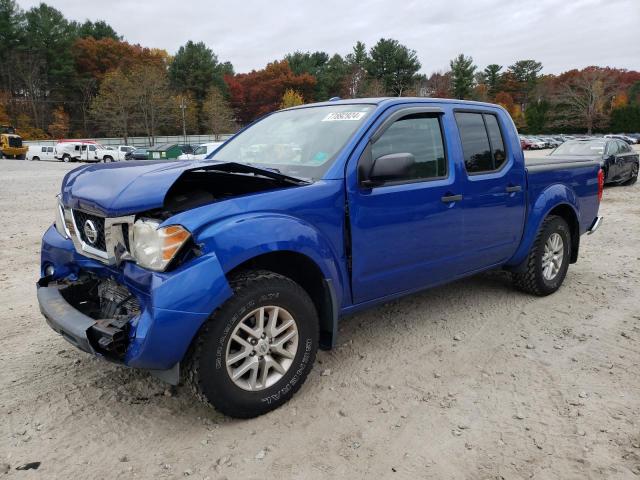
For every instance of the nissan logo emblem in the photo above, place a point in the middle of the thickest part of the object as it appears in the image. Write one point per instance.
(91, 232)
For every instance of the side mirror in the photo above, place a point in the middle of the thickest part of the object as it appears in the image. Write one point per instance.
(388, 168)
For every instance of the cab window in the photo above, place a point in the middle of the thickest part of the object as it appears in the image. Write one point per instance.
(420, 135)
(482, 143)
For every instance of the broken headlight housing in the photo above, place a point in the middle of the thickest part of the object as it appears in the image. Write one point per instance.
(59, 222)
(154, 247)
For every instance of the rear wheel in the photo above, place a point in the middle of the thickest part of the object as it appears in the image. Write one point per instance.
(66, 158)
(634, 175)
(108, 159)
(548, 260)
(256, 351)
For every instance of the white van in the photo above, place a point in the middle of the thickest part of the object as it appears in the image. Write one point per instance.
(201, 151)
(40, 152)
(77, 151)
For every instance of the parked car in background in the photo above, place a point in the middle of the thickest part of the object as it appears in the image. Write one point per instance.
(201, 151)
(551, 142)
(40, 152)
(112, 154)
(535, 143)
(625, 138)
(618, 160)
(236, 269)
(137, 154)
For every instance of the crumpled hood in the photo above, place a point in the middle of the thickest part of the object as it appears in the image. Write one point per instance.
(119, 189)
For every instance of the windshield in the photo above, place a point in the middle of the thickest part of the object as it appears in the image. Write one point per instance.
(301, 143)
(595, 147)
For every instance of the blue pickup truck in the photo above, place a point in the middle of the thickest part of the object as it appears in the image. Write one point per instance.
(230, 273)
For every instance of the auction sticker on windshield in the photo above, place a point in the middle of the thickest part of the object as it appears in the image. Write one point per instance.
(340, 116)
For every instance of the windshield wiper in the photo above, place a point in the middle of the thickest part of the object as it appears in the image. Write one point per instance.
(235, 167)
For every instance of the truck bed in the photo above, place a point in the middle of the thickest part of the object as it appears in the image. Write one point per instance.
(579, 174)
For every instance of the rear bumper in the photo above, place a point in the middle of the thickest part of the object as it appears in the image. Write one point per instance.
(595, 225)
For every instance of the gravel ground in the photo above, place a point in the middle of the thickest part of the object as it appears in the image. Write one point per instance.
(471, 380)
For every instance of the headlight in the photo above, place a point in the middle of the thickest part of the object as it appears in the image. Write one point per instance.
(60, 225)
(155, 247)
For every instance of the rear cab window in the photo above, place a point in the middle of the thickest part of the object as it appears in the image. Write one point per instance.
(482, 142)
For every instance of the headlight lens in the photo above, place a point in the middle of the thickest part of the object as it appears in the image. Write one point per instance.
(59, 223)
(155, 247)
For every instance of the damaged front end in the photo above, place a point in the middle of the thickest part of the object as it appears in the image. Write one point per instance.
(92, 313)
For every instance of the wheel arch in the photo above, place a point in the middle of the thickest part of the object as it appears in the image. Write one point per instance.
(555, 200)
(307, 273)
(568, 214)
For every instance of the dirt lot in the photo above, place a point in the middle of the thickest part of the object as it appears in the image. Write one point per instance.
(473, 380)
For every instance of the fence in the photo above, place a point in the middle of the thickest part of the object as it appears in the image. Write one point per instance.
(145, 141)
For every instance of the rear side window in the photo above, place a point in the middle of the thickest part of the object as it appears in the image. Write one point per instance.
(624, 147)
(420, 135)
(44, 149)
(482, 143)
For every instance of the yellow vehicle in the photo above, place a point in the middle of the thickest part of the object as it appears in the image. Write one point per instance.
(11, 143)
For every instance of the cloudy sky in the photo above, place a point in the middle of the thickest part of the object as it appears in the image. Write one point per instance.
(562, 34)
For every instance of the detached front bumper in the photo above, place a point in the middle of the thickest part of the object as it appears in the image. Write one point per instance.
(63, 318)
(172, 305)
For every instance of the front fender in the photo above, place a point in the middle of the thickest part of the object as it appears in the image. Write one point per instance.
(550, 198)
(240, 238)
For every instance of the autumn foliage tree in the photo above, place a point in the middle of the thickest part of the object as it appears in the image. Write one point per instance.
(59, 127)
(260, 91)
(218, 115)
(291, 98)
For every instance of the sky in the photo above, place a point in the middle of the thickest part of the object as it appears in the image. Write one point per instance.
(562, 34)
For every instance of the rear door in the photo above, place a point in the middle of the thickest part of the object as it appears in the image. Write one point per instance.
(493, 190)
(405, 234)
(50, 154)
(616, 164)
(627, 159)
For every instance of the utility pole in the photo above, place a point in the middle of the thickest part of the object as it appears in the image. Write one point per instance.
(183, 107)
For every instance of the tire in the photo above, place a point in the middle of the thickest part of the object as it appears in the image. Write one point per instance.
(66, 158)
(107, 159)
(634, 175)
(534, 280)
(207, 371)
(34, 158)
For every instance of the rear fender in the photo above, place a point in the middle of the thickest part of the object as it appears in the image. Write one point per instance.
(550, 198)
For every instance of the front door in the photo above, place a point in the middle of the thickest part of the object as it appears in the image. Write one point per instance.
(405, 234)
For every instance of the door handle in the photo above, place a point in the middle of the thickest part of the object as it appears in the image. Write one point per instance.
(514, 188)
(451, 198)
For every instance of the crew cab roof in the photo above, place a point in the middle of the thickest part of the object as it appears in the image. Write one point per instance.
(390, 101)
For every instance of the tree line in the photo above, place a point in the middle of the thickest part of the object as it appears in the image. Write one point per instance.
(61, 78)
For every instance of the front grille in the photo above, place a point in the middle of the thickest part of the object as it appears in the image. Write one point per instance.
(82, 220)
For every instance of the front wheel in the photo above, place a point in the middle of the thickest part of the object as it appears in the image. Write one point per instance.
(256, 351)
(66, 158)
(548, 261)
(107, 159)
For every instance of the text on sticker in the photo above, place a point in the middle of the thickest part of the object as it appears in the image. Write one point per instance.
(339, 116)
